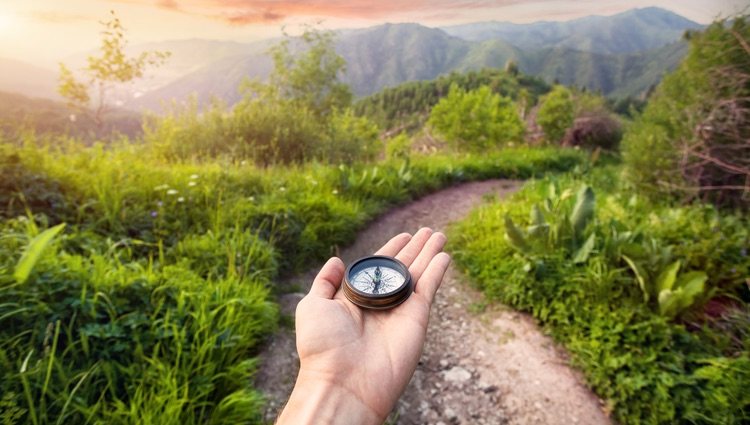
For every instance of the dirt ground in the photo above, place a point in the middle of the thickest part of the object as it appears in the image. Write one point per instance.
(480, 365)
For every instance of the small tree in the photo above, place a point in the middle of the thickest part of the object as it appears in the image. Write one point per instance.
(477, 119)
(311, 78)
(103, 72)
(556, 114)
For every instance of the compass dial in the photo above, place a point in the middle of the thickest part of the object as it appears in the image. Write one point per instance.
(378, 280)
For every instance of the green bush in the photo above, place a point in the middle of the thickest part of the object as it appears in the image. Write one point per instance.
(556, 113)
(476, 120)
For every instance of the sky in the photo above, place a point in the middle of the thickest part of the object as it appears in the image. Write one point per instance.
(44, 32)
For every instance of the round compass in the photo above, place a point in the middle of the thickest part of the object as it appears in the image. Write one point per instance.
(377, 282)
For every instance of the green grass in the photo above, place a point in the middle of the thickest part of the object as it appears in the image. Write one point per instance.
(650, 368)
(150, 305)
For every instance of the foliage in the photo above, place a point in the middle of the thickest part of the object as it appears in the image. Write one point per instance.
(407, 106)
(112, 67)
(556, 113)
(649, 367)
(150, 305)
(695, 127)
(311, 79)
(476, 120)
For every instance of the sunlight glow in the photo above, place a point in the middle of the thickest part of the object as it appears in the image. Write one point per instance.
(7, 21)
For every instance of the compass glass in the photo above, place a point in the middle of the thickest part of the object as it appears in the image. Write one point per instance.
(377, 280)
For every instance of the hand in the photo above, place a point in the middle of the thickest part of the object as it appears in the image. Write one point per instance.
(355, 363)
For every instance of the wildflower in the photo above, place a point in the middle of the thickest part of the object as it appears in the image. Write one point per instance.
(154, 214)
(172, 192)
(191, 184)
(282, 189)
(159, 203)
(193, 176)
(181, 199)
(335, 191)
(314, 182)
(161, 187)
(251, 198)
(243, 162)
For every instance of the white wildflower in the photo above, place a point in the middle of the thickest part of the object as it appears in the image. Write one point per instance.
(181, 199)
(191, 184)
(172, 192)
(193, 176)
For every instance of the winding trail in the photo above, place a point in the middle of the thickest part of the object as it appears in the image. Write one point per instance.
(480, 365)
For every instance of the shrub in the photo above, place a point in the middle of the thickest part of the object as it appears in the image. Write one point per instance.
(476, 120)
(556, 113)
(692, 139)
(594, 130)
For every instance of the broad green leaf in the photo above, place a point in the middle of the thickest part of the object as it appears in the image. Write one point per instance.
(583, 211)
(582, 254)
(667, 277)
(514, 235)
(669, 302)
(640, 276)
(34, 251)
(537, 218)
(693, 283)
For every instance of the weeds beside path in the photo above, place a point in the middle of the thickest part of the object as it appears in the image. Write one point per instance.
(480, 365)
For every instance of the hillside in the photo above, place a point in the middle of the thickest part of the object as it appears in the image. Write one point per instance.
(632, 31)
(31, 80)
(45, 116)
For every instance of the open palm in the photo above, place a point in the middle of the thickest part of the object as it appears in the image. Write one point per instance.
(370, 354)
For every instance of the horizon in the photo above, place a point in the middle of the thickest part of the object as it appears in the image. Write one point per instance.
(27, 33)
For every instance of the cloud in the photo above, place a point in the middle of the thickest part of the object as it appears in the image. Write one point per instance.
(54, 17)
(243, 12)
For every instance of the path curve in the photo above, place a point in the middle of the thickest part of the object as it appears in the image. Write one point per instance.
(479, 365)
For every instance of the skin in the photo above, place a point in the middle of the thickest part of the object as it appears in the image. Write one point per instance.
(355, 363)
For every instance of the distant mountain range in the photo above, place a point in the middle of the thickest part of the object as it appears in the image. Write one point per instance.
(619, 55)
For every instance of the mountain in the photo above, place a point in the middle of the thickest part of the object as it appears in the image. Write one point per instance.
(387, 55)
(27, 79)
(635, 30)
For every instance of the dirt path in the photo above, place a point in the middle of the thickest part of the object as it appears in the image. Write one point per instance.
(479, 365)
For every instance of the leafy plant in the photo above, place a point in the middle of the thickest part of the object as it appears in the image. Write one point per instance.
(476, 120)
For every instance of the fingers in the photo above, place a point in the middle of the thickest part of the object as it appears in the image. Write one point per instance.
(432, 278)
(409, 253)
(328, 280)
(431, 248)
(393, 246)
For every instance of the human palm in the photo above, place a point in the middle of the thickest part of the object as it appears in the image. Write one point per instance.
(370, 354)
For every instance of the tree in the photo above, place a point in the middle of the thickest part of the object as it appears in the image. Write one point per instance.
(476, 120)
(556, 114)
(104, 71)
(310, 78)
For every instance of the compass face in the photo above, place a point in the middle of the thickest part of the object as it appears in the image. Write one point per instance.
(377, 280)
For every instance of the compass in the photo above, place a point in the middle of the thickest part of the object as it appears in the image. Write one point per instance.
(378, 282)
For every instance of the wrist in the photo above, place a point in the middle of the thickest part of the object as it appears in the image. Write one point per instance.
(317, 400)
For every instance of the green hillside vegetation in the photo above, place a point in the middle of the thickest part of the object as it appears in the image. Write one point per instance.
(407, 106)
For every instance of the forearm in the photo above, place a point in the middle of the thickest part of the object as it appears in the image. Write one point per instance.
(316, 401)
